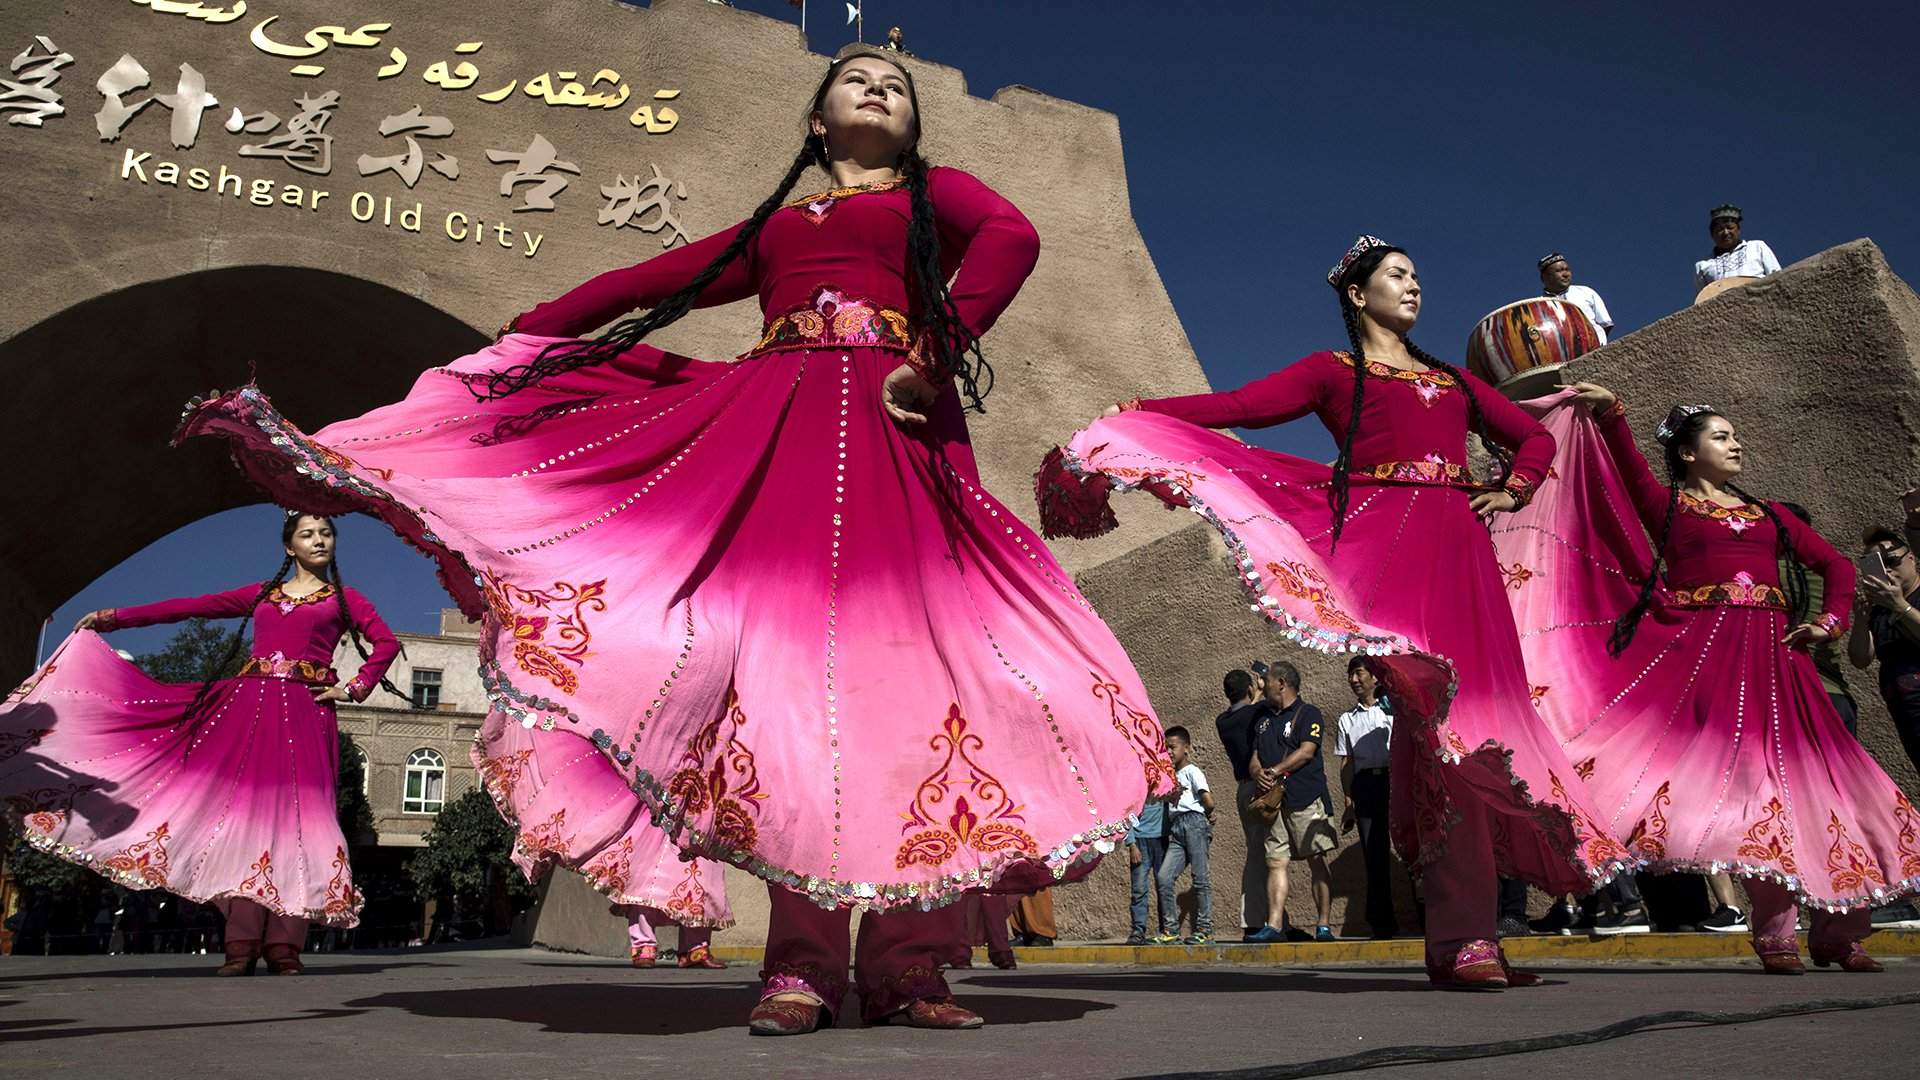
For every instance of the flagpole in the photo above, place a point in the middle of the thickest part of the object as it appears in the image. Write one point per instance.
(41, 645)
(803, 18)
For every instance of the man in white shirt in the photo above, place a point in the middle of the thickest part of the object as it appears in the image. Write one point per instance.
(1732, 256)
(1556, 281)
(1366, 732)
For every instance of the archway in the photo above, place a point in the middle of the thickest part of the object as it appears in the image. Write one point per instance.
(93, 393)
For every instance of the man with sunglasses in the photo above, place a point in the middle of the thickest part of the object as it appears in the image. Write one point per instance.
(1890, 632)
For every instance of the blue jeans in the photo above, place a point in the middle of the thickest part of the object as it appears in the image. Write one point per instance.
(1153, 851)
(1188, 835)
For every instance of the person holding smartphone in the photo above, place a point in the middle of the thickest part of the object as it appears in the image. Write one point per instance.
(1890, 629)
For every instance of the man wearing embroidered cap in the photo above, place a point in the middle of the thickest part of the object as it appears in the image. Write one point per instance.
(1732, 256)
(1556, 281)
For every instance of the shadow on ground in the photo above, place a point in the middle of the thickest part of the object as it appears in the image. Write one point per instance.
(602, 1009)
(19, 1031)
(321, 970)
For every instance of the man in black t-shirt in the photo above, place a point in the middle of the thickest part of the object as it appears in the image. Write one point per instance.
(1287, 738)
(1890, 632)
(1236, 736)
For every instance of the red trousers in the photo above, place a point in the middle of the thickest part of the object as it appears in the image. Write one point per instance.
(248, 921)
(896, 961)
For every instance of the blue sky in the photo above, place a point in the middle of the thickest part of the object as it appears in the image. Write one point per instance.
(1261, 137)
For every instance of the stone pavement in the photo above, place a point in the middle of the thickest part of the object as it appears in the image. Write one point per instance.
(527, 1014)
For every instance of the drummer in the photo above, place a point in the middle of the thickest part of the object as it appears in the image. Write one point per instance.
(1556, 281)
(1732, 256)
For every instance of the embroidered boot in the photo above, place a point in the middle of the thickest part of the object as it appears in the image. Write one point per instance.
(1850, 956)
(1779, 954)
(283, 960)
(242, 958)
(1476, 966)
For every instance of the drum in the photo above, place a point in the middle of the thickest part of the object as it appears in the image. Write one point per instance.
(1715, 288)
(1517, 344)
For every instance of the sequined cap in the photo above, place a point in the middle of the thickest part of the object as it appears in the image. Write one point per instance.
(1360, 247)
(1676, 417)
(1549, 259)
(1724, 210)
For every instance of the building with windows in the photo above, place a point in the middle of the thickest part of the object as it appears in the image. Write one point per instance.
(416, 748)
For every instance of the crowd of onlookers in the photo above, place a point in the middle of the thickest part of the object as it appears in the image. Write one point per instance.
(1273, 743)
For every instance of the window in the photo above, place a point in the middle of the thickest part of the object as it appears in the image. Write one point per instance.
(426, 781)
(426, 688)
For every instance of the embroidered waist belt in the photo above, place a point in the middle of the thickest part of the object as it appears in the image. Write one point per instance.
(279, 667)
(1732, 593)
(1437, 473)
(834, 319)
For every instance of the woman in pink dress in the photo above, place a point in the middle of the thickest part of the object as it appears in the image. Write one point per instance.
(1385, 553)
(769, 599)
(1686, 695)
(221, 793)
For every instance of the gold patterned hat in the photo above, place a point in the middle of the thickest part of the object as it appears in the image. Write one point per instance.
(1360, 247)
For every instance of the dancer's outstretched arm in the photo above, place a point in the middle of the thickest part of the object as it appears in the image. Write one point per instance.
(220, 605)
(1288, 394)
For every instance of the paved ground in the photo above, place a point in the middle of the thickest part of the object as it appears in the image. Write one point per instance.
(528, 1014)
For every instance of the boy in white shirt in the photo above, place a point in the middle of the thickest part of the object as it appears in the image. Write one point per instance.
(1189, 836)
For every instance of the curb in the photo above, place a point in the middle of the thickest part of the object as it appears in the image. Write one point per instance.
(1623, 948)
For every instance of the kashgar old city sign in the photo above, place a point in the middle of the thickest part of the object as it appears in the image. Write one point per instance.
(414, 145)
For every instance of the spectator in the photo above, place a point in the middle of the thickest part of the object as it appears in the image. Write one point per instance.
(1287, 737)
(1189, 834)
(1366, 733)
(1826, 654)
(1732, 256)
(1032, 920)
(1146, 851)
(1889, 630)
(1556, 280)
(1890, 633)
(1236, 736)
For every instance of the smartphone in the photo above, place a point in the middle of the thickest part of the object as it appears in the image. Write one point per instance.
(1873, 566)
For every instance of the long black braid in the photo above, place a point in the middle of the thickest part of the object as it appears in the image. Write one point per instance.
(353, 628)
(1624, 626)
(955, 347)
(1686, 432)
(1339, 493)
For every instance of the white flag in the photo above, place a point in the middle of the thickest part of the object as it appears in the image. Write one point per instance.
(853, 12)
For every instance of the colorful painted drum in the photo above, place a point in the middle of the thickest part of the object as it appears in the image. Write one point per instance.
(1527, 338)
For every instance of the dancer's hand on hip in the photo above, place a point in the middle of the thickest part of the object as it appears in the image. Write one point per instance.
(1805, 635)
(1488, 503)
(328, 693)
(906, 394)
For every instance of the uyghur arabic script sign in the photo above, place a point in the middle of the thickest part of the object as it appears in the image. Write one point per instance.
(411, 146)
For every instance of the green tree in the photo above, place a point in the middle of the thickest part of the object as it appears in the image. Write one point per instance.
(350, 793)
(34, 869)
(469, 855)
(194, 652)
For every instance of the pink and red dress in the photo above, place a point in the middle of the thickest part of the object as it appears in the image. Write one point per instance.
(735, 602)
(1413, 580)
(102, 766)
(1708, 745)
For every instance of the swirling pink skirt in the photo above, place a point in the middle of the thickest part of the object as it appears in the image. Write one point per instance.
(1707, 745)
(1414, 582)
(98, 766)
(797, 637)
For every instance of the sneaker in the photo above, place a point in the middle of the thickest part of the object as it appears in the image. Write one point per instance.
(1896, 916)
(1513, 926)
(1727, 920)
(1202, 938)
(1630, 921)
(1266, 935)
(1137, 938)
(1164, 938)
(1323, 933)
(1557, 920)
